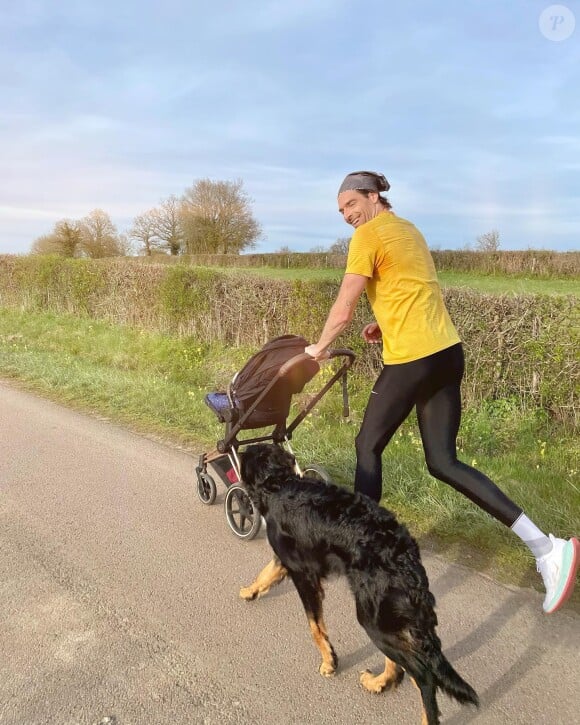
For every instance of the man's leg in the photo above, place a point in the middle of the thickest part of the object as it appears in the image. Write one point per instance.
(439, 416)
(390, 402)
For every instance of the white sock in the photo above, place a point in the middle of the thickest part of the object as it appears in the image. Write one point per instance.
(536, 541)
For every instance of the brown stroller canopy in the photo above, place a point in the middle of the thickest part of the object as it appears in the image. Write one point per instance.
(260, 370)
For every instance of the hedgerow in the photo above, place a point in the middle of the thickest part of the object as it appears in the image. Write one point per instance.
(522, 348)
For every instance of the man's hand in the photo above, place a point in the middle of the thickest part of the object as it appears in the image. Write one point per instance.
(372, 333)
(317, 354)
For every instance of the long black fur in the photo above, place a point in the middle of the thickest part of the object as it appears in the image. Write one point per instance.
(319, 529)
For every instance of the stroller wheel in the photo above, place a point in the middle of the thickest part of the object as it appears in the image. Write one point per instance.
(317, 472)
(242, 516)
(206, 488)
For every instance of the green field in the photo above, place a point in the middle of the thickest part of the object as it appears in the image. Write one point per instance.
(156, 384)
(483, 283)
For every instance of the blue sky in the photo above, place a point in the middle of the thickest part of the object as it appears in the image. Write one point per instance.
(471, 112)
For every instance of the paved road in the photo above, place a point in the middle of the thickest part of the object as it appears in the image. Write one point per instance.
(119, 606)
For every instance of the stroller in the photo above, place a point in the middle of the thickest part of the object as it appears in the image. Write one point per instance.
(260, 396)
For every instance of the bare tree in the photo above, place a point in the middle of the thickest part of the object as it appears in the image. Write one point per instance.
(340, 246)
(170, 225)
(46, 244)
(488, 242)
(217, 218)
(65, 240)
(144, 231)
(99, 235)
(125, 245)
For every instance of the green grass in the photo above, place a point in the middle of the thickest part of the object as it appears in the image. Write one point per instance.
(155, 382)
(156, 385)
(499, 284)
(483, 283)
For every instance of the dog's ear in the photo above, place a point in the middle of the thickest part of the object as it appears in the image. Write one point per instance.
(261, 461)
(254, 465)
(292, 465)
(281, 461)
(245, 464)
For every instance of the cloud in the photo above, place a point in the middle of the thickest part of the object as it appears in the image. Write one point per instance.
(470, 113)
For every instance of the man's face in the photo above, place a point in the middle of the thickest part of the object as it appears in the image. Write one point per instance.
(356, 208)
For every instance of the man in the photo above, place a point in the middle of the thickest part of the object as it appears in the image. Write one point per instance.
(423, 367)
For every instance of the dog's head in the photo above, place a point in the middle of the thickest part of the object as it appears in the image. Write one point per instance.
(262, 461)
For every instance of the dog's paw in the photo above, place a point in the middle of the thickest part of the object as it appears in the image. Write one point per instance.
(371, 682)
(327, 670)
(248, 593)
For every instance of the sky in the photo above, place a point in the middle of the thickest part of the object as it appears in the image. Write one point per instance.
(470, 108)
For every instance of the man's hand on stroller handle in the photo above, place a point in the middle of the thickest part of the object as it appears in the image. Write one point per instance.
(315, 352)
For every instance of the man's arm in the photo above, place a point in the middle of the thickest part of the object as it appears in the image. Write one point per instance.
(340, 313)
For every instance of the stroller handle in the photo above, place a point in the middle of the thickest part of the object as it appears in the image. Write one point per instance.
(342, 352)
(283, 370)
(303, 356)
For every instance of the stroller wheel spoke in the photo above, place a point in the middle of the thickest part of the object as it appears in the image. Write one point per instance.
(206, 488)
(241, 515)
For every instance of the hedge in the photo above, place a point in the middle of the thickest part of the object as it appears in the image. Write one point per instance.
(521, 347)
(529, 263)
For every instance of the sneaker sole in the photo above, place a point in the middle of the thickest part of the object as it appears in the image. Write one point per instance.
(570, 581)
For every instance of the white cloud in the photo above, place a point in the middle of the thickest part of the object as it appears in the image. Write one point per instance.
(470, 114)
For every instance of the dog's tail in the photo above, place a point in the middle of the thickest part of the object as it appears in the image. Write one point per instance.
(450, 682)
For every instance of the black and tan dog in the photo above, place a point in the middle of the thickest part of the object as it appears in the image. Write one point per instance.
(316, 530)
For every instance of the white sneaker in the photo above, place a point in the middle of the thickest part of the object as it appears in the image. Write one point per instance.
(558, 570)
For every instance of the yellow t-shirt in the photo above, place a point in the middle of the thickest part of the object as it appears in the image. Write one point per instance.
(403, 290)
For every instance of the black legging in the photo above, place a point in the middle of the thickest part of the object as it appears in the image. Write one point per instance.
(432, 384)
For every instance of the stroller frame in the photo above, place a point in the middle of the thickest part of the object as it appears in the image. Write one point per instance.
(241, 515)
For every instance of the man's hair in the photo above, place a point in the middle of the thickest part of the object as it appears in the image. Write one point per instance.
(382, 199)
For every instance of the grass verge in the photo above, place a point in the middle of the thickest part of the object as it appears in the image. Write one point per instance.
(487, 283)
(156, 384)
